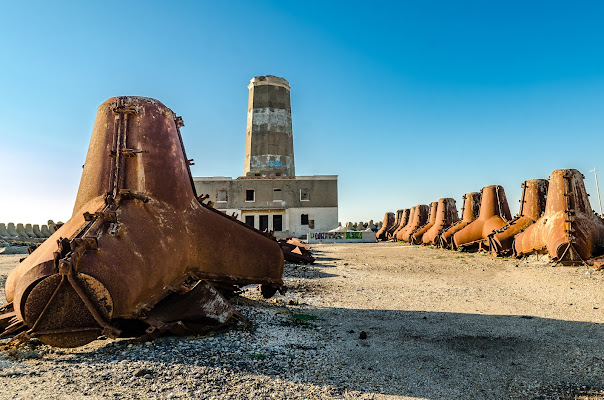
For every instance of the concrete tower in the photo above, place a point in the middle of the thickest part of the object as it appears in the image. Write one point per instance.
(269, 145)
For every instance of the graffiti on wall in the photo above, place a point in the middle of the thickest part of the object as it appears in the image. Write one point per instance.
(354, 235)
(336, 235)
(327, 235)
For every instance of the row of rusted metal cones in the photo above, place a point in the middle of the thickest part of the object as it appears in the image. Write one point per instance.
(555, 218)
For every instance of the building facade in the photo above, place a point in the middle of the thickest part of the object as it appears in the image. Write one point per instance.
(269, 196)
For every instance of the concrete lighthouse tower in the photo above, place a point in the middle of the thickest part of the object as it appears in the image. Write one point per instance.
(269, 144)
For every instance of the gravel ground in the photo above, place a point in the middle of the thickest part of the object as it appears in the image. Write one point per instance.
(367, 321)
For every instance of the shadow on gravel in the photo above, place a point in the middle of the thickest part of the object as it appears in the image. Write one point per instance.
(448, 355)
(417, 354)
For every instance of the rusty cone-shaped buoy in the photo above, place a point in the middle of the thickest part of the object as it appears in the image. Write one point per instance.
(420, 217)
(386, 225)
(139, 245)
(494, 214)
(404, 221)
(397, 221)
(569, 230)
(416, 237)
(446, 215)
(398, 235)
(532, 206)
(469, 212)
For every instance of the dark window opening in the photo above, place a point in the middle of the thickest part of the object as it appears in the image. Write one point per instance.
(249, 195)
(249, 219)
(263, 223)
(304, 219)
(277, 223)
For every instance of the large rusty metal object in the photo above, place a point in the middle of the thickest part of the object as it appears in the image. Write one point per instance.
(420, 217)
(416, 237)
(397, 221)
(398, 235)
(532, 206)
(494, 213)
(446, 215)
(569, 230)
(139, 245)
(469, 212)
(382, 233)
(403, 221)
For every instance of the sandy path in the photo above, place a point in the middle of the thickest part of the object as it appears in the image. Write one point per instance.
(439, 325)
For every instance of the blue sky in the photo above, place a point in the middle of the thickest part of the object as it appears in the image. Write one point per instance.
(406, 101)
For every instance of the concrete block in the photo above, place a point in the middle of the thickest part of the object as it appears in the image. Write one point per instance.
(45, 231)
(3, 232)
(12, 231)
(21, 231)
(29, 231)
(37, 232)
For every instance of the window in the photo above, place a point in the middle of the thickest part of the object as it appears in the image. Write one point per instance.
(249, 219)
(263, 223)
(304, 219)
(277, 195)
(277, 223)
(304, 194)
(249, 195)
(221, 195)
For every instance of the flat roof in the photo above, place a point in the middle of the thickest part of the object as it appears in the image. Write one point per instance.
(272, 178)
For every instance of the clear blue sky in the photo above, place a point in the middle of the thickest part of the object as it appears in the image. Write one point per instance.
(407, 101)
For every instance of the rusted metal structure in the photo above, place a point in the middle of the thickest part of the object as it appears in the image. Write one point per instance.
(494, 213)
(295, 251)
(403, 221)
(398, 236)
(469, 212)
(420, 217)
(139, 246)
(532, 206)
(446, 215)
(416, 237)
(397, 223)
(569, 230)
(382, 233)
(397, 220)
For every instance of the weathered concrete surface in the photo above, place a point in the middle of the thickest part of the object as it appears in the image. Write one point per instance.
(269, 148)
(21, 231)
(3, 232)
